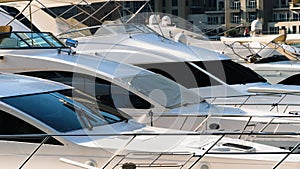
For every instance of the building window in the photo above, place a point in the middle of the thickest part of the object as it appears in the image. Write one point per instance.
(294, 29)
(221, 5)
(252, 16)
(235, 18)
(196, 3)
(222, 19)
(295, 16)
(164, 3)
(275, 17)
(282, 17)
(284, 3)
(235, 5)
(212, 20)
(175, 12)
(251, 3)
(196, 10)
(274, 30)
(174, 2)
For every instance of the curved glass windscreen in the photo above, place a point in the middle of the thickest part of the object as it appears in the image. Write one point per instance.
(164, 91)
(15, 40)
(66, 110)
(105, 30)
(230, 72)
(190, 76)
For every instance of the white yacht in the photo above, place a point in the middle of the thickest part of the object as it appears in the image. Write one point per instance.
(69, 129)
(132, 89)
(192, 67)
(274, 57)
(150, 98)
(211, 74)
(136, 47)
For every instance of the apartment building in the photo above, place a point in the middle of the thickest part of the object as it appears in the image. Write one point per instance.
(219, 15)
(285, 16)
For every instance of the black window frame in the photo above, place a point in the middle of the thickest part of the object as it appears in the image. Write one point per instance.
(21, 127)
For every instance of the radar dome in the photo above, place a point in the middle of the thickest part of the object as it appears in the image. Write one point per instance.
(256, 25)
(180, 37)
(165, 21)
(154, 19)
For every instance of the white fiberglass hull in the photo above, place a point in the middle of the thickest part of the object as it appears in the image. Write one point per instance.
(185, 118)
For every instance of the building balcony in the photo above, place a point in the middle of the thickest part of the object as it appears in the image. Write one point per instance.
(251, 9)
(215, 12)
(285, 20)
(235, 22)
(294, 6)
(281, 7)
(251, 6)
(233, 8)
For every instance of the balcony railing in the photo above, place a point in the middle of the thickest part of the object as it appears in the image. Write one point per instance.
(235, 21)
(235, 7)
(281, 6)
(251, 6)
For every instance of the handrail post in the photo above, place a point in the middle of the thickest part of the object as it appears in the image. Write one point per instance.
(247, 124)
(207, 151)
(288, 154)
(29, 157)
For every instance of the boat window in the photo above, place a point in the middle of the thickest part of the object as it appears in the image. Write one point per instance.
(66, 110)
(230, 72)
(274, 58)
(182, 73)
(103, 90)
(11, 125)
(238, 146)
(14, 40)
(163, 90)
(292, 80)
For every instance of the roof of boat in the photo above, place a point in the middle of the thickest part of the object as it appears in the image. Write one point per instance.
(16, 85)
(150, 45)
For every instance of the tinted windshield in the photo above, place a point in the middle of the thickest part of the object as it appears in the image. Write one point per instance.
(230, 72)
(182, 73)
(29, 40)
(66, 110)
(164, 91)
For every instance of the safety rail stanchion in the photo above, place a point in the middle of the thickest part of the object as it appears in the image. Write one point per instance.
(285, 157)
(192, 155)
(206, 151)
(278, 103)
(247, 124)
(242, 104)
(117, 153)
(29, 157)
(202, 123)
(263, 128)
(183, 123)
